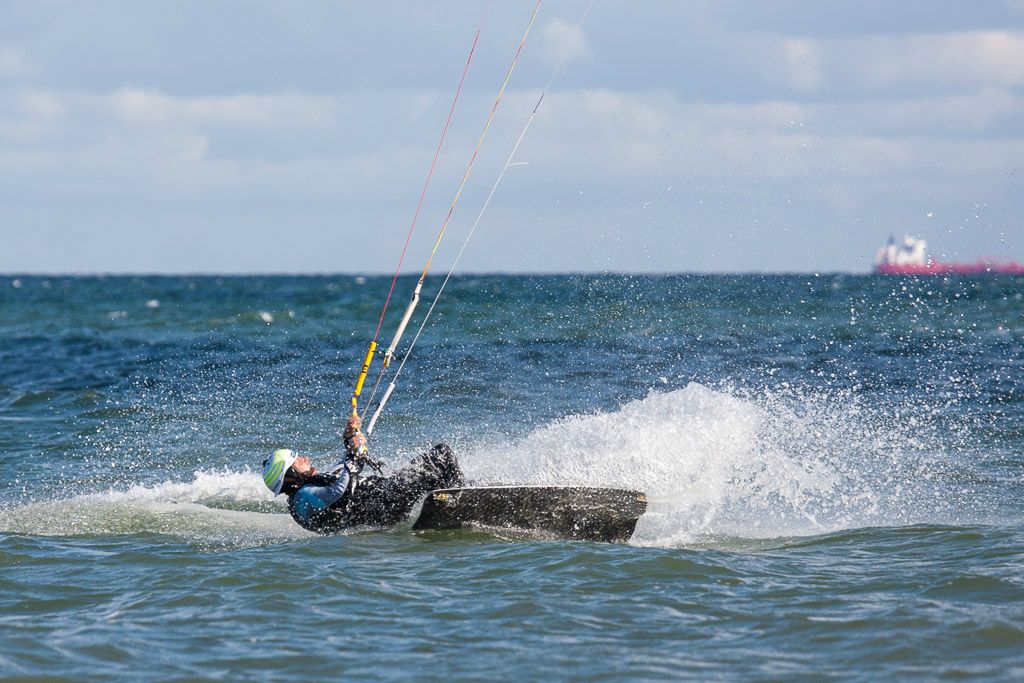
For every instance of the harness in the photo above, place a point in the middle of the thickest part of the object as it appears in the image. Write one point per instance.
(337, 515)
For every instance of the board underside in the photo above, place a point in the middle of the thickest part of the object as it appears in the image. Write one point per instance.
(567, 512)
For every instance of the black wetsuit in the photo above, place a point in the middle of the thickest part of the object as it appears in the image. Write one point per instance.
(377, 501)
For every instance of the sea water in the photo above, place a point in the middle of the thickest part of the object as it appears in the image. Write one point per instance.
(834, 464)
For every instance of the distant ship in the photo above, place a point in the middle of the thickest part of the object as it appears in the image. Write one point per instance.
(910, 258)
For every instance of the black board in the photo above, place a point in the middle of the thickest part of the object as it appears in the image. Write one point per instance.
(569, 512)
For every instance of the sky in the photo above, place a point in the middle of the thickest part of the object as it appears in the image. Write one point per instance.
(217, 136)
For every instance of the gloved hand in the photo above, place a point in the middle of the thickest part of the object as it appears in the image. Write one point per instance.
(355, 441)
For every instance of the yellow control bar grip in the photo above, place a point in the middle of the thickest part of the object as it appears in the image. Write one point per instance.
(362, 374)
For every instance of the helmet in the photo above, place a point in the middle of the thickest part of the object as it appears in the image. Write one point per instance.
(275, 466)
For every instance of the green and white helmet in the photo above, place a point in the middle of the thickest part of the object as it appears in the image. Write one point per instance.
(275, 466)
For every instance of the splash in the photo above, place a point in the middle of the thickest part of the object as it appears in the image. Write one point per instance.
(733, 464)
(717, 465)
(215, 509)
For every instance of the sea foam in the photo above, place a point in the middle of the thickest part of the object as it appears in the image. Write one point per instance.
(730, 463)
(225, 508)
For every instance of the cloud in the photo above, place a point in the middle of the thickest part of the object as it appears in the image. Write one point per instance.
(942, 62)
(995, 112)
(565, 38)
(290, 146)
(152, 108)
(804, 65)
(357, 160)
(143, 143)
(13, 64)
(971, 59)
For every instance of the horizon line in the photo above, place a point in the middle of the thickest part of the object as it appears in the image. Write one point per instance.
(379, 274)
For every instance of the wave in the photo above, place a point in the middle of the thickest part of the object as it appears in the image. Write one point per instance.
(733, 464)
(232, 509)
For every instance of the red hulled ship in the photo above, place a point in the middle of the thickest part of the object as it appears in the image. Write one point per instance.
(910, 258)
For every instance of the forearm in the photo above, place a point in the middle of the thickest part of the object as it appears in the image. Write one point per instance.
(331, 494)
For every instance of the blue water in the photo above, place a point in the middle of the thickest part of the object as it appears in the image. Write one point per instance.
(835, 469)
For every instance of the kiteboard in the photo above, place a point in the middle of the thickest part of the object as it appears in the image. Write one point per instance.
(562, 512)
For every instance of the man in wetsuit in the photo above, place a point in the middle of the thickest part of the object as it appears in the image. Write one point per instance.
(329, 502)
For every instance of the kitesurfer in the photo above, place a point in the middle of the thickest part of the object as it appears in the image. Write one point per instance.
(339, 499)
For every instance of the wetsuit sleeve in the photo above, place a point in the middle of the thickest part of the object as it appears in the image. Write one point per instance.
(310, 500)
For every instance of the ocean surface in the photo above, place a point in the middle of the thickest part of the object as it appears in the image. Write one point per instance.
(834, 464)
